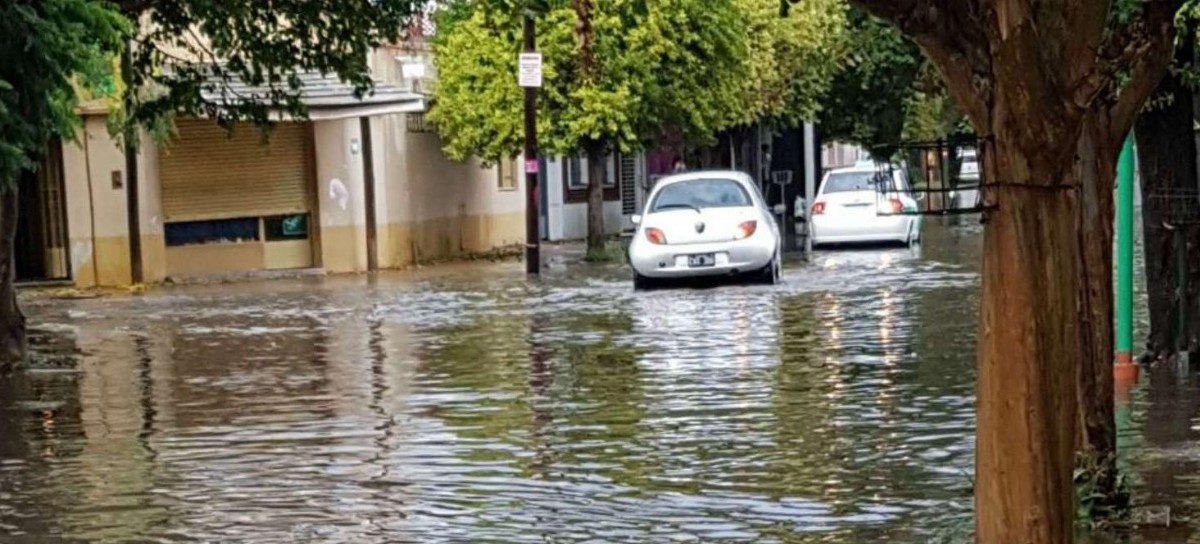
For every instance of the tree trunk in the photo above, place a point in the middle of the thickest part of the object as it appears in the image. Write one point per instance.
(12, 321)
(597, 172)
(1170, 193)
(1095, 170)
(1028, 357)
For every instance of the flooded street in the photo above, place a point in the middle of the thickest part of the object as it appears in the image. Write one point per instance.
(468, 404)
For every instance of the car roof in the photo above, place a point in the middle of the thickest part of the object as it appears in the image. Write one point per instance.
(707, 174)
(857, 169)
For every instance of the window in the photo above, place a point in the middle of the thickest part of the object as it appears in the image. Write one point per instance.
(286, 227)
(506, 172)
(851, 181)
(225, 231)
(698, 194)
(417, 123)
(573, 173)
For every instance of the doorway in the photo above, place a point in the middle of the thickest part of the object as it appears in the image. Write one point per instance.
(41, 241)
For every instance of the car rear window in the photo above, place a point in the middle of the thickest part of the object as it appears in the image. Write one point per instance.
(701, 193)
(851, 181)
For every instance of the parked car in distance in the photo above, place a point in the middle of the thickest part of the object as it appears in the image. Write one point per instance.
(705, 224)
(863, 204)
(966, 190)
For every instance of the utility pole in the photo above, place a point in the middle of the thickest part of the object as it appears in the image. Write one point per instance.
(530, 77)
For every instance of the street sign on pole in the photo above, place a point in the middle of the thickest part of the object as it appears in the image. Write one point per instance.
(529, 74)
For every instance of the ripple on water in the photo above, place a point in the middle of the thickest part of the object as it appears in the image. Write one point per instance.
(835, 408)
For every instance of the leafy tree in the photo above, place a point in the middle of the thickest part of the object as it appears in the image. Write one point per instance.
(791, 60)
(868, 101)
(47, 48)
(617, 74)
(1052, 88)
(184, 58)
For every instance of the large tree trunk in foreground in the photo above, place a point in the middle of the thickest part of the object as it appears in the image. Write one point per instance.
(1167, 157)
(12, 321)
(1052, 91)
(597, 172)
(1028, 356)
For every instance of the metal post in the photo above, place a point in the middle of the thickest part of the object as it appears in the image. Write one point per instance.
(1125, 255)
(810, 182)
(533, 258)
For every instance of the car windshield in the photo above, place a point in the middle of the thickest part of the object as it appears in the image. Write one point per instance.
(846, 182)
(698, 194)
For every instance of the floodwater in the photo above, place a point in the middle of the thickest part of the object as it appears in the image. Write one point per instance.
(468, 404)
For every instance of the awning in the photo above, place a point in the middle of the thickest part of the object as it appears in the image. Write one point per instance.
(327, 97)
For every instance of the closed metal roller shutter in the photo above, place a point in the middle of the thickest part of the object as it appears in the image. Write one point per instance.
(207, 173)
(629, 204)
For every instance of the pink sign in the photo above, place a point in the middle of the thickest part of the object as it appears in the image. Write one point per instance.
(531, 166)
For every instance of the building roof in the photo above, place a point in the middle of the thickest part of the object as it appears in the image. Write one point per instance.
(327, 97)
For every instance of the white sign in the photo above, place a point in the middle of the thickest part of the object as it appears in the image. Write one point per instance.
(530, 73)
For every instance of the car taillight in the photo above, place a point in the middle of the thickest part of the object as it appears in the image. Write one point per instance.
(656, 236)
(746, 230)
(897, 206)
(818, 208)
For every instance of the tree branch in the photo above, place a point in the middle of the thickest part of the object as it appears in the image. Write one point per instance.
(1148, 67)
(951, 34)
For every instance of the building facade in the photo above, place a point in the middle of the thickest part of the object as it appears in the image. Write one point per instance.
(360, 184)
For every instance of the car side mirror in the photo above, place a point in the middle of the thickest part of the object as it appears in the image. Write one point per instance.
(635, 219)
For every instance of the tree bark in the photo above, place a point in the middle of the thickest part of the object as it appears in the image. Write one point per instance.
(597, 172)
(1028, 356)
(1170, 197)
(1095, 171)
(1036, 79)
(12, 320)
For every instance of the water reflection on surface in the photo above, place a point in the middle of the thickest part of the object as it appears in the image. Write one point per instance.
(473, 405)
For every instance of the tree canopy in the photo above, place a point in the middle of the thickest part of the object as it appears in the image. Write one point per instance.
(791, 60)
(691, 67)
(187, 47)
(48, 48)
(669, 64)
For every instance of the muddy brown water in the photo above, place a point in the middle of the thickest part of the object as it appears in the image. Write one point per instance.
(468, 404)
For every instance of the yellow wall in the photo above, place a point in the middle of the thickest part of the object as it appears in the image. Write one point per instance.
(430, 207)
(341, 204)
(99, 240)
(97, 219)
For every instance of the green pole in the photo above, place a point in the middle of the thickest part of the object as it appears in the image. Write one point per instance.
(1125, 254)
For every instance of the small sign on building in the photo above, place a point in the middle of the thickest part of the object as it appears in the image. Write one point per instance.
(530, 72)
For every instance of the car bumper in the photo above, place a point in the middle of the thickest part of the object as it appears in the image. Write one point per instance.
(878, 229)
(671, 261)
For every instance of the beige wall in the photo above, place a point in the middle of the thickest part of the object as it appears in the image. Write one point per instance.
(431, 207)
(427, 206)
(341, 203)
(97, 220)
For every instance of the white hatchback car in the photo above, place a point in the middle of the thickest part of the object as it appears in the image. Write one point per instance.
(705, 224)
(852, 208)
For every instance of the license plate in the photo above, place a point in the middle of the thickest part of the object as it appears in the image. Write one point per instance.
(700, 261)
